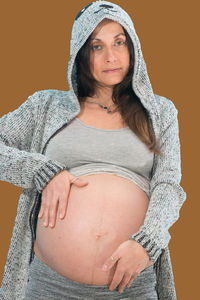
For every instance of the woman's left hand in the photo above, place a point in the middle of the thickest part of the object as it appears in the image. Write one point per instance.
(131, 259)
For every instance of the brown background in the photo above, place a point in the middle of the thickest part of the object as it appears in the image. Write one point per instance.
(34, 52)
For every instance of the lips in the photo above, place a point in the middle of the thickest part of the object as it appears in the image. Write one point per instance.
(112, 70)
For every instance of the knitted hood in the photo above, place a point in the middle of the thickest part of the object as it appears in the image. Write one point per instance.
(85, 23)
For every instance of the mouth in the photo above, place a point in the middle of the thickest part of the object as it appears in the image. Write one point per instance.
(112, 70)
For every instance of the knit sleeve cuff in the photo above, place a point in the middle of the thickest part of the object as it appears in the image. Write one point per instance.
(46, 173)
(150, 246)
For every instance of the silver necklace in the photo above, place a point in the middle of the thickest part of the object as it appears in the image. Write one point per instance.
(102, 106)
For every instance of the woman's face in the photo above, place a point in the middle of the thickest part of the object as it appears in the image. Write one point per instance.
(108, 51)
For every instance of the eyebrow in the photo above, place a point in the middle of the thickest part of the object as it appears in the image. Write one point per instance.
(114, 36)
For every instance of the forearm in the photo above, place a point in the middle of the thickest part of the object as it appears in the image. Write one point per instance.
(163, 212)
(18, 164)
(166, 194)
(25, 169)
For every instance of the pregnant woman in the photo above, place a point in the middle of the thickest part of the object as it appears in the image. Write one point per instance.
(100, 170)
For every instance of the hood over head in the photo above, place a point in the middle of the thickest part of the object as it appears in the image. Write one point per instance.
(85, 23)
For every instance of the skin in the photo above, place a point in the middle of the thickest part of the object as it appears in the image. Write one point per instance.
(108, 52)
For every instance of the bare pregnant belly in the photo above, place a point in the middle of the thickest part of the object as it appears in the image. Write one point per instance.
(99, 217)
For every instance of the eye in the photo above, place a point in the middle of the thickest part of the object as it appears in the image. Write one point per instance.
(120, 43)
(99, 47)
(95, 47)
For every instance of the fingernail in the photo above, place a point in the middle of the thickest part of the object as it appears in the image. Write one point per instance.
(61, 215)
(105, 267)
(51, 225)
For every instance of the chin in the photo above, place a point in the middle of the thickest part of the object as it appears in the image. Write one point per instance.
(112, 81)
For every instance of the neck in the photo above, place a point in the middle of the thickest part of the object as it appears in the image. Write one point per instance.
(103, 95)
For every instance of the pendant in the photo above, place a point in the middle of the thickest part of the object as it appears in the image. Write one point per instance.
(107, 108)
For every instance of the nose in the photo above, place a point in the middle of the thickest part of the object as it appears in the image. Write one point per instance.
(110, 55)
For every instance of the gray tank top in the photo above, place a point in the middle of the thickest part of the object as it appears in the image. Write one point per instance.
(89, 150)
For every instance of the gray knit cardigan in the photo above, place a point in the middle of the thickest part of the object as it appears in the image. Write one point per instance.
(26, 131)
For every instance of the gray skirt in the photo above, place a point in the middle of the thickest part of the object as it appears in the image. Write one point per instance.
(45, 283)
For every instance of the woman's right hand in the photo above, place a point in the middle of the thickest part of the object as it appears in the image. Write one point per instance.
(55, 197)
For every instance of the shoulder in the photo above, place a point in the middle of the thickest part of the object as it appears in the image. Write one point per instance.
(167, 108)
(50, 96)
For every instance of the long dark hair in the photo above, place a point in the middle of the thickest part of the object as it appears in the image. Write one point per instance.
(132, 111)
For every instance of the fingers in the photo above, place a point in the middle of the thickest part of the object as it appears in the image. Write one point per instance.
(117, 278)
(126, 279)
(79, 182)
(130, 281)
(49, 207)
(55, 197)
(109, 263)
(42, 207)
(52, 214)
(41, 212)
(129, 264)
(63, 202)
(122, 279)
(123, 276)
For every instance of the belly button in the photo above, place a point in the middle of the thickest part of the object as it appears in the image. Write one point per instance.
(100, 235)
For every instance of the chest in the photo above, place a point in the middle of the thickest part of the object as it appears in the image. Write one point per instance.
(99, 118)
